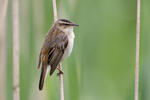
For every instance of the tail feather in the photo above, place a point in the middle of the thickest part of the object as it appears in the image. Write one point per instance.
(39, 61)
(42, 77)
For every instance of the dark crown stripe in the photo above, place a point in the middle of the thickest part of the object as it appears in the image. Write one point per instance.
(65, 20)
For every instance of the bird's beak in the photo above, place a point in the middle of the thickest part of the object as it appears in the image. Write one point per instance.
(74, 24)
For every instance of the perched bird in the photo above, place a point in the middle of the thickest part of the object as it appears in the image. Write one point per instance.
(57, 46)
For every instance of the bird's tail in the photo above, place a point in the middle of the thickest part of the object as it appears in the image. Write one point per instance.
(44, 73)
(42, 77)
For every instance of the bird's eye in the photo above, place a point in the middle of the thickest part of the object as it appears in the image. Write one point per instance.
(66, 24)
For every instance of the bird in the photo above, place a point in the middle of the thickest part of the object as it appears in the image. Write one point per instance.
(57, 46)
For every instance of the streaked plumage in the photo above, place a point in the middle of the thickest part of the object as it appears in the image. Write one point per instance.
(57, 46)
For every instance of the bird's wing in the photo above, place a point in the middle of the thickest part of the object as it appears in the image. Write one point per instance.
(57, 48)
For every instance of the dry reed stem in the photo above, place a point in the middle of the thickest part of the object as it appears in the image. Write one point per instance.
(3, 12)
(54, 10)
(60, 75)
(15, 11)
(137, 51)
(61, 85)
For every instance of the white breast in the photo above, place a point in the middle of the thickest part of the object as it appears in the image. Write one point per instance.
(69, 48)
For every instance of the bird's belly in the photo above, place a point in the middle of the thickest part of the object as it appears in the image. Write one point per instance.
(69, 47)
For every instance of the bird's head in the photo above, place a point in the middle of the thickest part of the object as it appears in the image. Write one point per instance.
(65, 24)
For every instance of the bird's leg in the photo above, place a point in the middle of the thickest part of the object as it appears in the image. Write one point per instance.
(60, 70)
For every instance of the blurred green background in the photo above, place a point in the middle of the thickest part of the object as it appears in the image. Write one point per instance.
(101, 66)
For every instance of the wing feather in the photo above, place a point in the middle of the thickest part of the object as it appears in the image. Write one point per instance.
(56, 52)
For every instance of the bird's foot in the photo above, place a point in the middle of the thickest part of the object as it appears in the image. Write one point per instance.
(60, 71)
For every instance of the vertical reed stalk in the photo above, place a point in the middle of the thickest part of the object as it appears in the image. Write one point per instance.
(61, 85)
(137, 51)
(3, 43)
(60, 75)
(15, 12)
(54, 10)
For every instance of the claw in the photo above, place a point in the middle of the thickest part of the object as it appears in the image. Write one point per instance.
(60, 72)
